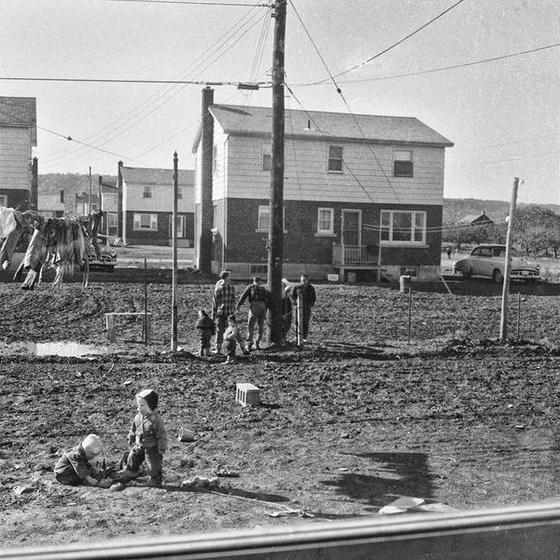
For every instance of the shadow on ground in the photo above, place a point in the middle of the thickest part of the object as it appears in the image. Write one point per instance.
(399, 474)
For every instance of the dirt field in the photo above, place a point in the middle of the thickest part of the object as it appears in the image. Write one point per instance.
(358, 418)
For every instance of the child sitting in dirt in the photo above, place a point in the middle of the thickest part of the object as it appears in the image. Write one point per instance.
(148, 438)
(206, 330)
(74, 467)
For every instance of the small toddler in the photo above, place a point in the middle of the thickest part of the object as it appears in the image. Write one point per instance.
(148, 438)
(74, 467)
(206, 330)
(231, 337)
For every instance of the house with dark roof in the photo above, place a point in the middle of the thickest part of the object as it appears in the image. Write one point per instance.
(18, 137)
(477, 220)
(363, 194)
(146, 206)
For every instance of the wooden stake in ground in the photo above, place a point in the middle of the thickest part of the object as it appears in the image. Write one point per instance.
(507, 268)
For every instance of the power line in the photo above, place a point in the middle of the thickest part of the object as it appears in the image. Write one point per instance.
(441, 69)
(128, 81)
(399, 42)
(191, 3)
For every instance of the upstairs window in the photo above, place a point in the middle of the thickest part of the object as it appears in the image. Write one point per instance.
(147, 192)
(335, 159)
(402, 162)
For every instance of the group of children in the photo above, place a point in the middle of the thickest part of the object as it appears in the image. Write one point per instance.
(207, 329)
(148, 440)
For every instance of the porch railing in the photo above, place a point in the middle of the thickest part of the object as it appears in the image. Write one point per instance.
(353, 255)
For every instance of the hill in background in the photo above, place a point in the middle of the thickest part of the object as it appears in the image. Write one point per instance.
(455, 209)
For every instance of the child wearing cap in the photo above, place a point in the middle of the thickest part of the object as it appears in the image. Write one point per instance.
(206, 330)
(148, 438)
(74, 467)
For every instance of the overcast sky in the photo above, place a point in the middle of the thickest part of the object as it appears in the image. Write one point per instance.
(503, 115)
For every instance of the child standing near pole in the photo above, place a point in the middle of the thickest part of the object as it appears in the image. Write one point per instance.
(231, 337)
(206, 330)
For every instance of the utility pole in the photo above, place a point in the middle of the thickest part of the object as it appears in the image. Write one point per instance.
(507, 268)
(89, 197)
(174, 242)
(276, 228)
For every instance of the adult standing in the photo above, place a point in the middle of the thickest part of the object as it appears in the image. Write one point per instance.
(304, 295)
(223, 305)
(258, 297)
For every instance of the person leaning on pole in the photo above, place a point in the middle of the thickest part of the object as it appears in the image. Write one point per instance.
(223, 305)
(303, 295)
(258, 297)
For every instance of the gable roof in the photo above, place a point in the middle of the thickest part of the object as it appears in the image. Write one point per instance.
(152, 176)
(257, 121)
(20, 112)
(477, 219)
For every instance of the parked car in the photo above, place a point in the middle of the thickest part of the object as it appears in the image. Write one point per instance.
(106, 262)
(489, 261)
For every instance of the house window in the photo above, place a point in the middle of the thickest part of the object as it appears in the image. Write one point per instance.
(263, 220)
(145, 222)
(181, 226)
(403, 227)
(179, 193)
(325, 221)
(61, 196)
(335, 159)
(147, 192)
(402, 163)
(267, 157)
(4, 200)
(113, 219)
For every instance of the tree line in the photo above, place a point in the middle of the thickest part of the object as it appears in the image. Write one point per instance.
(536, 232)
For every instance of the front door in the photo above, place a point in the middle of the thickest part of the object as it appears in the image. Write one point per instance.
(351, 227)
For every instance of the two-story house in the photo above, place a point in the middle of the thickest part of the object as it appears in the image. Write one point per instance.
(147, 206)
(363, 194)
(18, 136)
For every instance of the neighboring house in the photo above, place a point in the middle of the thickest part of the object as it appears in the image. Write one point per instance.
(18, 136)
(147, 206)
(362, 194)
(52, 204)
(110, 207)
(477, 219)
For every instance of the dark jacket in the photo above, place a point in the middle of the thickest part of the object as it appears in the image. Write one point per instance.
(205, 324)
(74, 464)
(149, 431)
(306, 293)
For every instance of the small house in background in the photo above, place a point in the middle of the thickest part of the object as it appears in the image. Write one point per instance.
(18, 137)
(110, 206)
(477, 220)
(147, 206)
(363, 194)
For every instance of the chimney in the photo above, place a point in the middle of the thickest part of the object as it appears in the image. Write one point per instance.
(204, 252)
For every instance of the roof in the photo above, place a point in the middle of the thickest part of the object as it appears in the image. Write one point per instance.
(20, 112)
(257, 121)
(476, 218)
(151, 176)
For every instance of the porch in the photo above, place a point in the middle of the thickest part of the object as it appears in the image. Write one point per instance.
(354, 256)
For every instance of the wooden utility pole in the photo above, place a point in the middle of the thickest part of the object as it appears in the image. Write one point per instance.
(507, 267)
(276, 228)
(174, 266)
(89, 197)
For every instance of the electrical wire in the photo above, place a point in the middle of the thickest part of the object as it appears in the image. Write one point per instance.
(399, 42)
(234, 33)
(189, 2)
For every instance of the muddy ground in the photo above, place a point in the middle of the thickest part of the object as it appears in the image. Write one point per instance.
(369, 411)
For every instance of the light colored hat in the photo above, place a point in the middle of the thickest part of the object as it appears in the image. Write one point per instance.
(92, 444)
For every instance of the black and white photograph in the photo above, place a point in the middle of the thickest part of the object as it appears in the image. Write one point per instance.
(279, 279)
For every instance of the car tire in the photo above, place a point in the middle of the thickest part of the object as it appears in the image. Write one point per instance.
(497, 276)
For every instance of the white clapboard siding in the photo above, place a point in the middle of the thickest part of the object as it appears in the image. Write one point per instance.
(15, 157)
(161, 200)
(367, 172)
